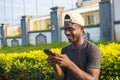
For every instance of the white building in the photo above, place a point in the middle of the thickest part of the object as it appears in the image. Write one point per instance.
(102, 22)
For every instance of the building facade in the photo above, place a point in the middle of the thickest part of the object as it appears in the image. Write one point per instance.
(102, 22)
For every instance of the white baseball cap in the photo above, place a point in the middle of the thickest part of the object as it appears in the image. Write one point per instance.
(75, 18)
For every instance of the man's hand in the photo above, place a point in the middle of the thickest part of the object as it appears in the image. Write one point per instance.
(60, 59)
(51, 59)
(54, 61)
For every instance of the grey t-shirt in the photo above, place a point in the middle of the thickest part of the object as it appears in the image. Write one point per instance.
(86, 56)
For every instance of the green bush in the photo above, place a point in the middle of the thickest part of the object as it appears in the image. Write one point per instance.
(32, 64)
(26, 66)
(110, 61)
(29, 47)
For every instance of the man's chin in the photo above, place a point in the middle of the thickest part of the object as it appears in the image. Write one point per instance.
(70, 40)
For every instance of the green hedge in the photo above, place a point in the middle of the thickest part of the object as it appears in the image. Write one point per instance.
(33, 65)
(110, 65)
(25, 66)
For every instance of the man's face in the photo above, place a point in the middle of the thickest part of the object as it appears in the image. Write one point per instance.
(73, 32)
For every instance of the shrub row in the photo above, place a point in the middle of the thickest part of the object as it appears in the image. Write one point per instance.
(33, 65)
(110, 61)
(26, 66)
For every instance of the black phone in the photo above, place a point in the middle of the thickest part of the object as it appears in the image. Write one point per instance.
(48, 52)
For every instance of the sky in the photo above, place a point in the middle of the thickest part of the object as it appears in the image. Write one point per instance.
(11, 11)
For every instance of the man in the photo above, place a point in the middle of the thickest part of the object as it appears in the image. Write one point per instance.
(81, 59)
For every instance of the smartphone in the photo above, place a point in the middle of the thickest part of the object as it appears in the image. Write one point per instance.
(48, 52)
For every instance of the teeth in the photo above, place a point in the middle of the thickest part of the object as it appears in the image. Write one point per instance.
(69, 36)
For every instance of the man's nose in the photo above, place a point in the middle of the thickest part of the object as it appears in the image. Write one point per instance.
(67, 32)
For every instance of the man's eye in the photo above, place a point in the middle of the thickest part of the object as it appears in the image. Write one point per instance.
(71, 29)
(65, 29)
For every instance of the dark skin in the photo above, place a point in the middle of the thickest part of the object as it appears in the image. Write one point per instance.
(74, 33)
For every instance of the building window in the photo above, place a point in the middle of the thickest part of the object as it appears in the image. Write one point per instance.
(85, 0)
(91, 19)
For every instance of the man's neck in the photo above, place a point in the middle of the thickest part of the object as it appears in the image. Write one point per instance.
(78, 43)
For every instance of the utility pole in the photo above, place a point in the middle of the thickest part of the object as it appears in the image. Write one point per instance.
(12, 11)
(36, 9)
(4, 11)
(24, 7)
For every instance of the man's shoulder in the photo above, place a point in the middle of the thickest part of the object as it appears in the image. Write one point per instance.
(92, 47)
(68, 46)
(90, 44)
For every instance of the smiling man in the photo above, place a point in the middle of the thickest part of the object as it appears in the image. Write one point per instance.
(81, 59)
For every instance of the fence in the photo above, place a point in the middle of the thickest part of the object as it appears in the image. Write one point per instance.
(108, 29)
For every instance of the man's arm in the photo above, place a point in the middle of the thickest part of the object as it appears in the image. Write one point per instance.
(91, 74)
(58, 71)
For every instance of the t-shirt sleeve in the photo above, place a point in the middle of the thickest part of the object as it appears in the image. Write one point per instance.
(63, 51)
(94, 57)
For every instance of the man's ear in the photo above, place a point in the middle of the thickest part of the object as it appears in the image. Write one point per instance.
(82, 29)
